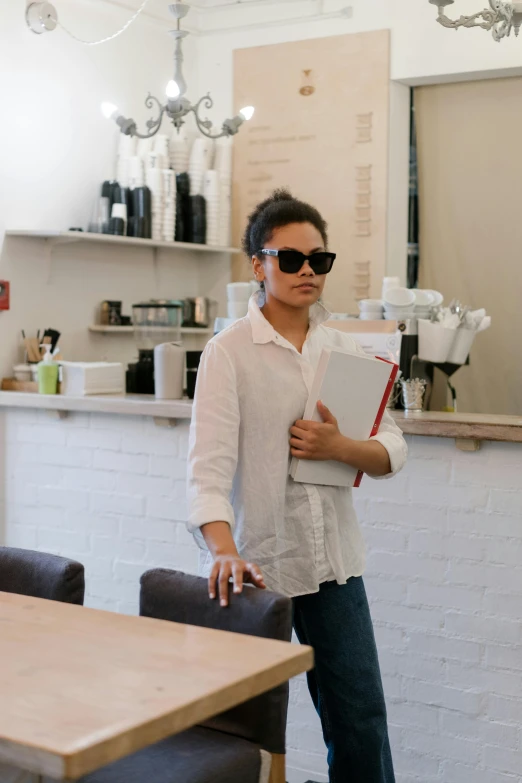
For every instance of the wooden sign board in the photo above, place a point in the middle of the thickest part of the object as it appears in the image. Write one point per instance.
(321, 129)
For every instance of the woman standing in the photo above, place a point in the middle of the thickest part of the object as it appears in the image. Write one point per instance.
(258, 524)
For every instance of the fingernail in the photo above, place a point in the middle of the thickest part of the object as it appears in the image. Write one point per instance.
(223, 602)
(211, 595)
(237, 589)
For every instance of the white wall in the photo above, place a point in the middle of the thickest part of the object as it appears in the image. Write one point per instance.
(444, 574)
(55, 150)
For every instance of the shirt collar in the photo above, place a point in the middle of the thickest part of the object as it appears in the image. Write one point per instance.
(263, 332)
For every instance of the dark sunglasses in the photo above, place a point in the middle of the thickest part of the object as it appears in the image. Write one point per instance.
(291, 261)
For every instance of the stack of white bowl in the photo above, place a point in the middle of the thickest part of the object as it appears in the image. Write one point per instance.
(399, 304)
(126, 150)
(154, 179)
(238, 295)
(169, 205)
(200, 161)
(371, 309)
(424, 301)
(179, 152)
(211, 190)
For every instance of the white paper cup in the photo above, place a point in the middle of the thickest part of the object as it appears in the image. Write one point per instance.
(238, 292)
(435, 342)
(462, 346)
(237, 309)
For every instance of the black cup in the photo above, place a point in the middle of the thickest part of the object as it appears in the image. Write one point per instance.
(199, 219)
(192, 375)
(193, 359)
(117, 226)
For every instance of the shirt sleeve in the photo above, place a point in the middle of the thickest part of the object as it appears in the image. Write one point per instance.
(213, 443)
(391, 437)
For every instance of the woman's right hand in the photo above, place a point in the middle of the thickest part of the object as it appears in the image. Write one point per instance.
(233, 567)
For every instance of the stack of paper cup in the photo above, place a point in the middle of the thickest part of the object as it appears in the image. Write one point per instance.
(169, 205)
(211, 191)
(136, 172)
(161, 148)
(154, 178)
(238, 295)
(200, 161)
(223, 165)
(223, 157)
(144, 147)
(225, 210)
(388, 283)
(126, 151)
(179, 152)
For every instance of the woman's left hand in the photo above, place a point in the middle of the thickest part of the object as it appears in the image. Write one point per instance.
(317, 441)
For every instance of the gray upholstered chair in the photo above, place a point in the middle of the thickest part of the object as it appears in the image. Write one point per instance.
(244, 745)
(41, 575)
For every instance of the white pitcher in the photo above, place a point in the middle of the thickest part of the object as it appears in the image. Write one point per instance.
(169, 371)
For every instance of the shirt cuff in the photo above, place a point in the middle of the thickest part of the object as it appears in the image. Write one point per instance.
(397, 451)
(206, 509)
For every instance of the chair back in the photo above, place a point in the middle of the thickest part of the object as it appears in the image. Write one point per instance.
(180, 598)
(40, 575)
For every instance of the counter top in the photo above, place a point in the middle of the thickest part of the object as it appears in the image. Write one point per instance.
(461, 426)
(119, 405)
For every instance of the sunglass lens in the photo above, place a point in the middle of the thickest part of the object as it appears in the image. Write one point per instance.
(290, 261)
(321, 263)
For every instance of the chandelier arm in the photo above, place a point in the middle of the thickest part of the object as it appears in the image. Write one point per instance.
(204, 126)
(485, 19)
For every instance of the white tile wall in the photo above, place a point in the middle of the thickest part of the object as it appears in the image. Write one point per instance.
(444, 574)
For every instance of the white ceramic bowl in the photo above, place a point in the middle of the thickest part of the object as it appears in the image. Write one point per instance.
(371, 316)
(438, 298)
(424, 298)
(399, 297)
(374, 305)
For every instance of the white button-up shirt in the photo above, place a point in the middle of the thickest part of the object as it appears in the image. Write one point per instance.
(252, 386)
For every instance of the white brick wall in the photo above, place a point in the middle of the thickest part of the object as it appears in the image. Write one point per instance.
(444, 574)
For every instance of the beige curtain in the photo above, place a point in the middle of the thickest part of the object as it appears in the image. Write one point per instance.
(470, 192)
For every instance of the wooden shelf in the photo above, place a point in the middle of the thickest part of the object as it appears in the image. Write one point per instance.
(98, 329)
(76, 237)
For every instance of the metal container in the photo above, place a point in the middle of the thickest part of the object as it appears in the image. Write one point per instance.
(198, 312)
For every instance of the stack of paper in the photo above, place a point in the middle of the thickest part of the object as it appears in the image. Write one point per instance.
(83, 378)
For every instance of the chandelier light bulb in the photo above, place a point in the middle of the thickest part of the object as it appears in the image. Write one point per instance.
(109, 110)
(247, 113)
(172, 90)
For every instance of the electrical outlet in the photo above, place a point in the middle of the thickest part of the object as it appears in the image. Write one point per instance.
(4, 295)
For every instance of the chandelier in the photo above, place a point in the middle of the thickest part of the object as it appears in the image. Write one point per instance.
(177, 106)
(501, 18)
(41, 17)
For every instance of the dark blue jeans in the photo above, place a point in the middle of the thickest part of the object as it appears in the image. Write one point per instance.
(346, 685)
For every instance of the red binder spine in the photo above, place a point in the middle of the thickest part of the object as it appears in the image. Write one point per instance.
(380, 412)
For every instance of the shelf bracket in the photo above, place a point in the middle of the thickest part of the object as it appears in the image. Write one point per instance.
(468, 444)
(57, 415)
(159, 421)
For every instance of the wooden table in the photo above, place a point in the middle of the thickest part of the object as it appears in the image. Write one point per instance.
(80, 688)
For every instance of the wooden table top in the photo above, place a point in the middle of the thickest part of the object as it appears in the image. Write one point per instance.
(81, 687)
